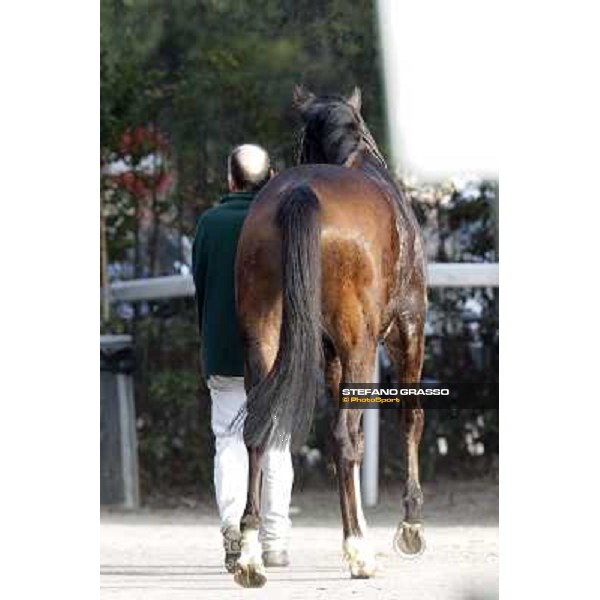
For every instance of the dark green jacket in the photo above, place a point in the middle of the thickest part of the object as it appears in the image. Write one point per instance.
(213, 262)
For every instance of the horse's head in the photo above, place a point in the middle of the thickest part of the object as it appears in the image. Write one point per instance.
(334, 129)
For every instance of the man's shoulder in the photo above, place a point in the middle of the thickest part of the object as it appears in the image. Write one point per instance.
(221, 213)
(211, 213)
(209, 216)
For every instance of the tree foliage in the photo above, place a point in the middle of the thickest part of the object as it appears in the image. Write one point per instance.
(208, 75)
(214, 73)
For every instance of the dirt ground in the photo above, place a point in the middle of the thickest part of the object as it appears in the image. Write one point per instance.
(176, 553)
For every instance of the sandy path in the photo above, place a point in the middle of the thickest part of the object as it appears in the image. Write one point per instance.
(156, 554)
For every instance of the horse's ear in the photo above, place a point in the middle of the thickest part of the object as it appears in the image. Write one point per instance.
(302, 98)
(355, 100)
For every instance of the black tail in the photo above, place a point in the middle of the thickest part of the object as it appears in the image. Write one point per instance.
(280, 407)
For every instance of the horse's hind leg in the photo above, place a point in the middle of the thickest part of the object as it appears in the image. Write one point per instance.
(250, 570)
(260, 354)
(405, 345)
(349, 449)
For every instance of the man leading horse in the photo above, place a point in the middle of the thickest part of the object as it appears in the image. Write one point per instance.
(213, 261)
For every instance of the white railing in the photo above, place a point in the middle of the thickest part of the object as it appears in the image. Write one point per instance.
(439, 275)
(175, 286)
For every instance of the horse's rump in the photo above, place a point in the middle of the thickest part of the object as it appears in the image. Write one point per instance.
(318, 254)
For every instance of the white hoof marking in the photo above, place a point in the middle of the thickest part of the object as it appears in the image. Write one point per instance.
(360, 557)
(251, 551)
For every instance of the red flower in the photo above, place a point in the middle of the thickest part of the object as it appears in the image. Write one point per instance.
(139, 135)
(125, 145)
(139, 188)
(163, 182)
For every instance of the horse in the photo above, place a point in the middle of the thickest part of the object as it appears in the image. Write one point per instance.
(330, 261)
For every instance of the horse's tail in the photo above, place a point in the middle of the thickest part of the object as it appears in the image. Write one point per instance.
(280, 407)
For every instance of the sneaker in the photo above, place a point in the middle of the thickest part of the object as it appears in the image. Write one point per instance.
(276, 558)
(232, 543)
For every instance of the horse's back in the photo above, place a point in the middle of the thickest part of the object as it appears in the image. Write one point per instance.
(359, 242)
(352, 206)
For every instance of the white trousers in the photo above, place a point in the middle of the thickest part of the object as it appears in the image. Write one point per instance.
(231, 469)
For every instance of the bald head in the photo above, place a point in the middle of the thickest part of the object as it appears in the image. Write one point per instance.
(248, 168)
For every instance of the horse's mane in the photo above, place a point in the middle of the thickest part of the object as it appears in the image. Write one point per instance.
(331, 124)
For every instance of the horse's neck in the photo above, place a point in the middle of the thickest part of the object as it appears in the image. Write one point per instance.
(372, 167)
(375, 171)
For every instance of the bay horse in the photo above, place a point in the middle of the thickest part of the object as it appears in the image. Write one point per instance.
(330, 261)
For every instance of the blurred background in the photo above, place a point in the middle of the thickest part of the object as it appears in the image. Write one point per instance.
(182, 83)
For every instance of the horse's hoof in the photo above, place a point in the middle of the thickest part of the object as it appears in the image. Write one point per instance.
(362, 571)
(250, 576)
(360, 558)
(409, 540)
